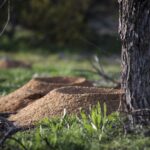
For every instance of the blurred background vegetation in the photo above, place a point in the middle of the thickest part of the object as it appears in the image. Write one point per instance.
(56, 25)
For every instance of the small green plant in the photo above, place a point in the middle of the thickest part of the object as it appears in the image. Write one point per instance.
(66, 133)
(95, 121)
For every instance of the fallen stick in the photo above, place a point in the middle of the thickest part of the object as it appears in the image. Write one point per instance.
(8, 129)
(9, 134)
(99, 69)
(6, 114)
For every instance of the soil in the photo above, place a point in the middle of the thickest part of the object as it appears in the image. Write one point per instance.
(7, 63)
(70, 98)
(35, 89)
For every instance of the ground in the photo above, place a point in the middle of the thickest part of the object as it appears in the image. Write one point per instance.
(86, 132)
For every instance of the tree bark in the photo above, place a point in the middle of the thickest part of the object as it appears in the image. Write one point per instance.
(134, 29)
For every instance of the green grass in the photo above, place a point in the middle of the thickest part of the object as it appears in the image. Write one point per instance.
(69, 132)
(47, 64)
(94, 131)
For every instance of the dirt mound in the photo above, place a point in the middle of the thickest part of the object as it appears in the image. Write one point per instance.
(6, 63)
(35, 89)
(69, 98)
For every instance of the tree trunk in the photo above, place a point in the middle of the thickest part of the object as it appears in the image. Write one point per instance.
(134, 29)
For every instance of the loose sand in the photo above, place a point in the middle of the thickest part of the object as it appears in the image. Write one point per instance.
(35, 89)
(69, 98)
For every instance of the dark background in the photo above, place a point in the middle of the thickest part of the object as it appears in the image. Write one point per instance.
(61, 25)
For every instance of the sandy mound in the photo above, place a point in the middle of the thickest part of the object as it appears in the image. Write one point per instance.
(35, 89)
(69, 98)
(6, 63)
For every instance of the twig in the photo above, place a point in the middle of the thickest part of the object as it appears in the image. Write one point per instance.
(82, 38)
(3, 3)
(5, 121)
(98, 67)
(8, 19)
(9, 134)
(10, 129)
(6, 114)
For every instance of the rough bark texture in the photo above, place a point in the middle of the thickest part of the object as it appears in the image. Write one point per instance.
(134, 29)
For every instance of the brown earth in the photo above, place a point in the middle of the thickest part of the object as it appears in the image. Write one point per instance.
(6, 63)
(69, 98)
(35, 89)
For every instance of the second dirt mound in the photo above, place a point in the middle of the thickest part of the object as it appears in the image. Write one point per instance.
(69, 98)
(7, 63)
